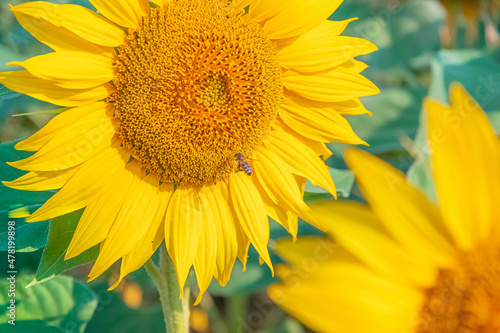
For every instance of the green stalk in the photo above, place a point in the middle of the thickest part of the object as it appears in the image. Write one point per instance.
(175, 310)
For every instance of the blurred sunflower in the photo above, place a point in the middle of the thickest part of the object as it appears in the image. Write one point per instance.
(167, 101)
(405, 264)
(473, 12)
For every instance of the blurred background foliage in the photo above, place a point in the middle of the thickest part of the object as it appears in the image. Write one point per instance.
(424, 45)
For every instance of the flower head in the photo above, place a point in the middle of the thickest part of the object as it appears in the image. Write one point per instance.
(405, 264)
(167, 102)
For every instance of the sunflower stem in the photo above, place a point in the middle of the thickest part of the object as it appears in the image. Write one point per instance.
(175, 310)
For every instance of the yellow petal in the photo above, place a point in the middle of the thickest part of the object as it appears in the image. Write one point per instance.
(183, 229)
(69, 69)
(208, 247)
(68, 27)
(283, 216)
(249, 213)
(312, 52)
(154, 236)
(465, 159)
(227, 248)
(354, 65)
(25, 83)
(325, 125)
(340, 84)
(332, 28)
(59, 123)
(72, 145)
(42, 180)
(127, 13)
(160, 3)
(406, 213)
(279, 183)
(300, 159)
(99, 215)
(350, 107)
(298, 17)
(261, 10)
(136, 216)
(81, 189)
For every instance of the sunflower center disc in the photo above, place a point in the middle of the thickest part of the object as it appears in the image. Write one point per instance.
(197, 84)
(466, 298)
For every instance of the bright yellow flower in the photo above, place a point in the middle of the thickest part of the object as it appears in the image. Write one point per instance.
(167, 102)
(405, 264)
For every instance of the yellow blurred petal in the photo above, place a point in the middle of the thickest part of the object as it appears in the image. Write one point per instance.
(81, 189)
(279, 183)
(42, 180)
(183, 229)
(72, 145)
(298, 17)
(127, 13)
(338, 295)
(18, 213)
(134, 219)
(68, 27)
(59, 123)
(356, 228)
(249, 212)
(71, 70)
(338, 85)
(312, 52)
(465, 161)
(325, 125)
(26, 83)
(406, 213)
(300, 252)
(300, 159)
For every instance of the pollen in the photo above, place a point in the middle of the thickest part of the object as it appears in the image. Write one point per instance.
(466, 298)
(196, 84)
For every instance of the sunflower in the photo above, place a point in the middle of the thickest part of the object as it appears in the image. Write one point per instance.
(403, 263)
(166, 102)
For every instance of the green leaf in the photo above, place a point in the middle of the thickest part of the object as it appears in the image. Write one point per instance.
(63, 303)
(395, 114)
(480, 76)
(288, 325)
(475, 70)
(61, 231)
(29, 326)
(256, 278)
(6, 93)
(29, 237)
(420, 175)
(113, 316)
(343, 179)
(405, 32)
(10, 196)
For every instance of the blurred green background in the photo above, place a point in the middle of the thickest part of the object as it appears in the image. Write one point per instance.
(424, 45)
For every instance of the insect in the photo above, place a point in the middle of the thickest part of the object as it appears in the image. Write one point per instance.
(243, 164)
